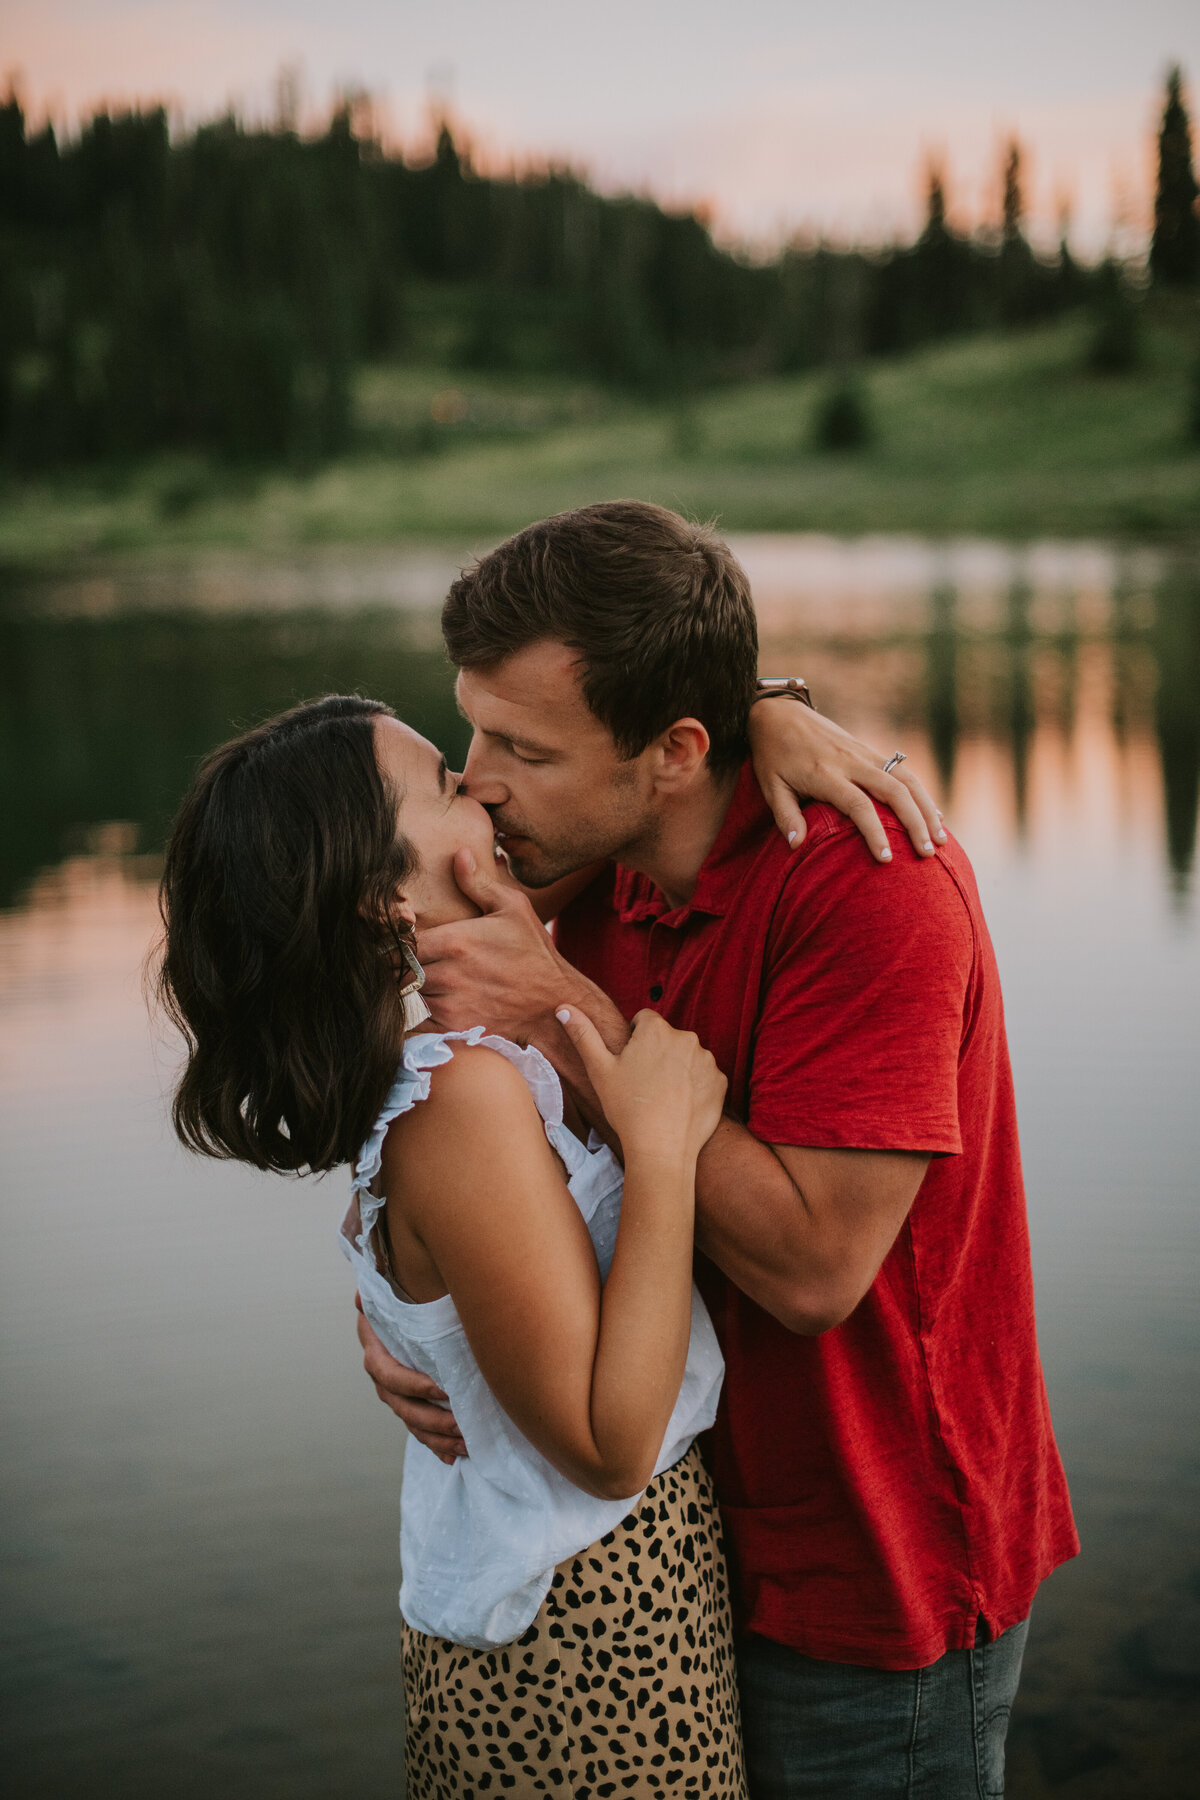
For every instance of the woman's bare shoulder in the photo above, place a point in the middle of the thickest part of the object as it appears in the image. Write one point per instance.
(479, 1106)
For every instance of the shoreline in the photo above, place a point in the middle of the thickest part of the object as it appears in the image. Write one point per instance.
(1008, 438)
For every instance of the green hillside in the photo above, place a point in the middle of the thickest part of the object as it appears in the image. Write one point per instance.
(1008, 435)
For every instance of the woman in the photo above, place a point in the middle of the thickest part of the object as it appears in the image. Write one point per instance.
(566, 1616)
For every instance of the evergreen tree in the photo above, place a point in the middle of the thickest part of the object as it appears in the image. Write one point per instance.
(843, 417)
(1013, 208)
(1017, 299)
(941, 301)
(1175, 247)
(1113, 349)
(216, 290)
(1070, 279)
(1192, 418)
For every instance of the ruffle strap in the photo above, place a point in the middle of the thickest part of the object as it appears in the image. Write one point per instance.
(421, 1055)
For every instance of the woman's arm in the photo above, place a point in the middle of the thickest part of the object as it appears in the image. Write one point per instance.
(589, 1372)
(799, 755)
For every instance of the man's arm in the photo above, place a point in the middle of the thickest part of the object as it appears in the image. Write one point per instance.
(803, 1232)
(801, 1229)
(416, 1399)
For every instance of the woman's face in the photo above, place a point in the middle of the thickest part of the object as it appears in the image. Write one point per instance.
(436, 818)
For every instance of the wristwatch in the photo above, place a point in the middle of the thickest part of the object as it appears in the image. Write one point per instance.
(795, 686)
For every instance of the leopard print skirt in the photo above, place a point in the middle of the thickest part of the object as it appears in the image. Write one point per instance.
(623, 1685)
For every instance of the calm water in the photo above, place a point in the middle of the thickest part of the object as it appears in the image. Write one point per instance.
(199, 1490)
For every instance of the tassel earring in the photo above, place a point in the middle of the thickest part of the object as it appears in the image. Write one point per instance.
(415, 1009)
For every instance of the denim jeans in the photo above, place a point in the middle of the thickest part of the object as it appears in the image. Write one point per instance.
(834, 1731)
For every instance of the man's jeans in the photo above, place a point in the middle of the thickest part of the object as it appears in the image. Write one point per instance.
(834, 1731)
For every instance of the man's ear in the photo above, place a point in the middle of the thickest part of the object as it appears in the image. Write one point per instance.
(682, 751)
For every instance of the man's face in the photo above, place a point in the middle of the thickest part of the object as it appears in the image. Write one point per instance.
(547, 770)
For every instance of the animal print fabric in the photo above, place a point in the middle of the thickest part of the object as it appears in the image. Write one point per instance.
(623, 1685)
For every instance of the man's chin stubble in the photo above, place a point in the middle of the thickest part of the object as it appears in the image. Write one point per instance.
(533, 875)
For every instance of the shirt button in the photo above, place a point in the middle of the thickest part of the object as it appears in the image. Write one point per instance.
(656, 991)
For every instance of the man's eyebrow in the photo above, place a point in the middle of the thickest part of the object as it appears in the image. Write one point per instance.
(510, 737)
(521, 743)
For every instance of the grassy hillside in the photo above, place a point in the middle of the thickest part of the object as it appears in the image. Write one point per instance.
(1002, 436)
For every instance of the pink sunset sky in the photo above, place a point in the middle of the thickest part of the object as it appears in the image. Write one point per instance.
(775, 117)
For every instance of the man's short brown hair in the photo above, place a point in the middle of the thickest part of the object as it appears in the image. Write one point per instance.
(659, 610)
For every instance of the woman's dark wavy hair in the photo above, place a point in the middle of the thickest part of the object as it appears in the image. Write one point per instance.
(275, 962)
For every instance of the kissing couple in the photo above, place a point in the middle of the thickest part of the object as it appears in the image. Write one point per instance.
(689, 1235)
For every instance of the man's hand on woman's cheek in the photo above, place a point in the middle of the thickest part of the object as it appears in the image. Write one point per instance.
(499, 970)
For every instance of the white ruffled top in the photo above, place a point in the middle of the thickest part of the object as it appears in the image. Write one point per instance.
(479, 1542)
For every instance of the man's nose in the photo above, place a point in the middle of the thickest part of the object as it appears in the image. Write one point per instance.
(482, 783)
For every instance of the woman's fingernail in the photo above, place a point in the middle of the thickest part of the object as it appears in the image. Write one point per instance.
(941, 837)
(791, 837)
(885, 856)
(927, 847)
(562, 1015)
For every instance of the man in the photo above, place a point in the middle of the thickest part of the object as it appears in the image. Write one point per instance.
(888, 1478)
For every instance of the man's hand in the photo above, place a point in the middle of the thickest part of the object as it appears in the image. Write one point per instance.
(416, 1400)
(800, 754)
(501, 969)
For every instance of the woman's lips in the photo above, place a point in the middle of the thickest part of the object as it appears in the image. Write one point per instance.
(503, 848)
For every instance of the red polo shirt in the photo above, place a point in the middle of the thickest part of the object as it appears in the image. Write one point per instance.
(887, 1484)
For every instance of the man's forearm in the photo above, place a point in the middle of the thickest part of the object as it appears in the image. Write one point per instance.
(753, 1222)
(800, 1229)
(803, 1239)
(750, 1217)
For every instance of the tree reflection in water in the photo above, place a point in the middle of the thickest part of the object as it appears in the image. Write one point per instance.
(104, 715)
(1051, 695)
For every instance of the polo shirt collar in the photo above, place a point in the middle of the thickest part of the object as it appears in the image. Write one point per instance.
(637, 899)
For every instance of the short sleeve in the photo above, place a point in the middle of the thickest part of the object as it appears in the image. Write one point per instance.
(866, 991)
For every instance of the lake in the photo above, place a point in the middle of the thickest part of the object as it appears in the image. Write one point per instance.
(199, 1488)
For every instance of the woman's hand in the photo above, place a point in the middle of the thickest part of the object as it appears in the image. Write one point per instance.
(798, 754)
(662, 1094)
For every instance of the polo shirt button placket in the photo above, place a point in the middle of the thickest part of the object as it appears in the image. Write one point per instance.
(660, 952)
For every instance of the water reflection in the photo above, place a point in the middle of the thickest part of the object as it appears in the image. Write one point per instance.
(1019, 639)
(104, 718)
(1004, 664)
(941, 654)
(107, 699)
(1176, 640)
(199, 1562)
